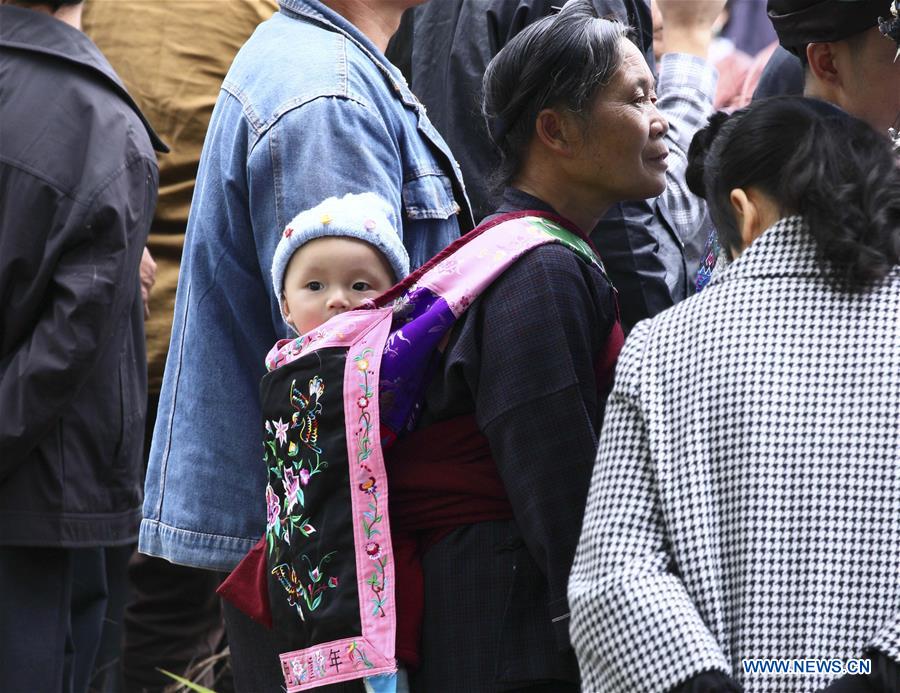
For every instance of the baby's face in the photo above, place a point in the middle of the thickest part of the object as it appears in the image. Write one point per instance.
(330, 275)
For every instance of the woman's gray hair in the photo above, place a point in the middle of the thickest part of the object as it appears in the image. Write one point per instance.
(559, 61)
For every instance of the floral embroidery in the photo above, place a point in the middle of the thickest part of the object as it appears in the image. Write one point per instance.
(287, 352)
(358, 655)
(272, 508)
(373, 550)
(294, 463)
(319, 664)
(299, 670)
(373, 516)
(462, 304)
(448, 266)
(281, 429)
(309, 594)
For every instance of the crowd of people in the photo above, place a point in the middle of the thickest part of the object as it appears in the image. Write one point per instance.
(610, 405)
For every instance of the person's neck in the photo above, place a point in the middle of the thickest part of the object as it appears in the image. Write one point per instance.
(68, 14)
(572, 202)
(378, 21)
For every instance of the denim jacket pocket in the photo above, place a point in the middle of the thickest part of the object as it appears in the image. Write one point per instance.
(429, 196)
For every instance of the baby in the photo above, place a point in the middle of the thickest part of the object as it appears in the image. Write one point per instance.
(329, 260)
(333, 257)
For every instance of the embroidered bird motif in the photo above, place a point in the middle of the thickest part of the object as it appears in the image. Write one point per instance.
(287, 577)
(307, 408)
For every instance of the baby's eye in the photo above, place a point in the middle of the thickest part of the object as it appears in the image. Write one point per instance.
(361, 286)
(315, 286)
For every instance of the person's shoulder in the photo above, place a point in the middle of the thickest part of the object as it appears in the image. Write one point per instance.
(289, 63)
(553, 272)
(90, 129)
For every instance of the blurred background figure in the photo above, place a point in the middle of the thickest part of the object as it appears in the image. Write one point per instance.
(78, 183)
(172, 55)
(847, 59)
(741, 30)
(748, 26)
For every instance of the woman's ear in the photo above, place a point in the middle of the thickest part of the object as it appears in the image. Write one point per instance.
(755, 212)
(554, 130)
(747, 215)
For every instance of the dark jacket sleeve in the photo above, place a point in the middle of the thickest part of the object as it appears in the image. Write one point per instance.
(884, 677)
(542, 326)
(98, 246)
(709, 682)
(627, 240)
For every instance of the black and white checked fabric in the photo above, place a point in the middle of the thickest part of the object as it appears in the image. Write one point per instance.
(746, 498)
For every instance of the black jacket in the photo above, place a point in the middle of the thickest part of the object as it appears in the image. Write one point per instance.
(78, 184)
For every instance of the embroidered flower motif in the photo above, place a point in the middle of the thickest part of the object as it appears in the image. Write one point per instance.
(268, 427)
(281, 429)
(304, 476)
(288, 232)
(326, 219)
(291, 486)
(319, 664)
(299, 670)
(333, 582)
(293, 449)
(316, 387)
(448, 266)
(368, 486)
(271, 508)
(373, 550)
(315, 576)
(369, 224)
(362, 364)
(307, 529)
(362, 402)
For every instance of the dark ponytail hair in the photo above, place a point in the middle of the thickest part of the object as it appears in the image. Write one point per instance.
(812, 159)
(560, 60)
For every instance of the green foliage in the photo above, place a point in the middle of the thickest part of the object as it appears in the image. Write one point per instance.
(184, 682)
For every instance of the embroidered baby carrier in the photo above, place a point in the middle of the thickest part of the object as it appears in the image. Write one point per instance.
(333, 401)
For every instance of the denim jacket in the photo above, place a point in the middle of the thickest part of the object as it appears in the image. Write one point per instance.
(309, 109)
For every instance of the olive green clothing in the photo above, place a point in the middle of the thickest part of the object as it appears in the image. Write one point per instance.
(172, 56)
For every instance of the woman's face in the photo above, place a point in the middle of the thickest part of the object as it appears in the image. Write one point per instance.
(623, 153)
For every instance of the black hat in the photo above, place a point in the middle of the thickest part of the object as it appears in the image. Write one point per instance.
(801, 22)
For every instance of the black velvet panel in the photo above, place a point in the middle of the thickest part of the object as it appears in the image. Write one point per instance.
(310, 558)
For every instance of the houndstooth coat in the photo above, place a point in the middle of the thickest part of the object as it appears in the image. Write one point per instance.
(746, 497)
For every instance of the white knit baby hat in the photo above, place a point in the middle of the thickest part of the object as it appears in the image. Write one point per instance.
(365, 216)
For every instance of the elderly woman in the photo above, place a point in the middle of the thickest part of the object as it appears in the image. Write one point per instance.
(746, 495)
(570, 103)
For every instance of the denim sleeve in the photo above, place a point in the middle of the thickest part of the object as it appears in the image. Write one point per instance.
(329, 146)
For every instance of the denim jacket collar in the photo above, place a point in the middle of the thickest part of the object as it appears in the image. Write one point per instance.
(322, 14)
